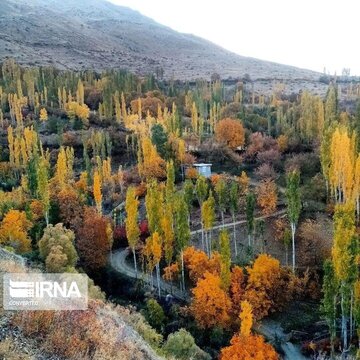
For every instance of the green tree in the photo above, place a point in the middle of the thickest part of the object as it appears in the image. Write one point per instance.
(225, 254)
(331, 106)
(293, 205)
(207, 220)
(154, 203)
(181, 345)
(182, 231)
(43, 190)
(201, 190)
(160, 139)
(170, 182)
(250, 219)
(189, 194)
(154, 314)
(234, 207)
(329, 301)
(222, 197)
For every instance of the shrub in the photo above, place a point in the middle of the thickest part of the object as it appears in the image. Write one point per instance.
(182, 346)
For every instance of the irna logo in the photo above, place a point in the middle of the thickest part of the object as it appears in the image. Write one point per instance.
(45, 291)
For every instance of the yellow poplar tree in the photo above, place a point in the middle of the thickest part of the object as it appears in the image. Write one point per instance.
(43, 115)
(97, 191)
(131, 222)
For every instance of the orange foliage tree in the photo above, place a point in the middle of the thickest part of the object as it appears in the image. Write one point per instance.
(267, 196)
(94, 239)
(211, 304)
(262, 282)
(197, 263)
(13, 231)
(237, 288)
(230, 132)
(246, 346)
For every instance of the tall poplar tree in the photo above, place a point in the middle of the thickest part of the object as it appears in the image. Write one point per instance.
(293, 206)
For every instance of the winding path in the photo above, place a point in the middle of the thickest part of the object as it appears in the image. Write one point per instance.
(273, 332)
(118, 260)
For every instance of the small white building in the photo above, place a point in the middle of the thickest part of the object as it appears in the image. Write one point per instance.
(203, 169)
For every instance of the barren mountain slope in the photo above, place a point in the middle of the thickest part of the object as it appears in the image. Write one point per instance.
(97, 34)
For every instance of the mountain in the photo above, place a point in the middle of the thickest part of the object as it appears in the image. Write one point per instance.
(83, 34)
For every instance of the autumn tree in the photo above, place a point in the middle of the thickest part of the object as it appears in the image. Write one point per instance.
(150, 164)
(131, 222)
(267, 196)
(248, 347)
(263, 279)
(97, 191)
(197, 263)
(342, 162)
(246, 318)
(211, 304)
(43, 115)
(94, 240)
(70, 207)
(293, 206)
(57, 249)
(61, 169)
(157, 254)
(344, 254)
(230, 132)
(244, 346)
(237, 288)
(13, 231)
(43, 190)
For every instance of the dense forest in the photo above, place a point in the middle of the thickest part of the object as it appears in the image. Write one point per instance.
(100, 173)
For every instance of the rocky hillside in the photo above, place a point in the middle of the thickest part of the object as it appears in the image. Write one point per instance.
(114, 331)
(96, 34)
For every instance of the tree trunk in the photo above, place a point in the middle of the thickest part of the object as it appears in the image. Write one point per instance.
(222, 219)
(343, 324)
(158, 279)
(135, 263)
(182, 270)
(234, 232)
(207, 243)
(293, 228)
(202, 236)
(351, 315)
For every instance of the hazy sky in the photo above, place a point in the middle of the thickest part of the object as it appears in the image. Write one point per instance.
(310, 34)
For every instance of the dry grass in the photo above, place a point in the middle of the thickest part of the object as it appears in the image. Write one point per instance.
(10, 351)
